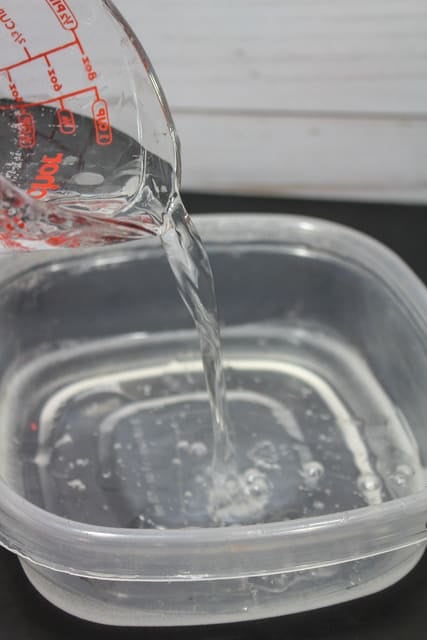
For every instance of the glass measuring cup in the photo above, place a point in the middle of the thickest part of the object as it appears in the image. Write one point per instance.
(77, 138)
(89, 157)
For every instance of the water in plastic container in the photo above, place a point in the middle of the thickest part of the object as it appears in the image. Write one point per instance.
(106, 423)
(119, 428)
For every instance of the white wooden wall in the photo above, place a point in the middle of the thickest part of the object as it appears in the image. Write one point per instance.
(294, 97)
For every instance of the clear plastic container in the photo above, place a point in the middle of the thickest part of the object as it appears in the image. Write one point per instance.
(325, 348)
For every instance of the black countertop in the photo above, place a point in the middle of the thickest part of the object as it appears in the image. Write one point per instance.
(398, 613)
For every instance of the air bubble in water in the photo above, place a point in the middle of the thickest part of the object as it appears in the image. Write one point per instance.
(77, 484)
(264, 455)
(198, 449)
(313, 472)
(239, 499)
(82, 462)
(188, 496)
(256, 483)
(402, 474)
(183, 445)
(368, 483)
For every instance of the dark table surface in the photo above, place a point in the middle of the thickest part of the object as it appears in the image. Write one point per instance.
(398, 613)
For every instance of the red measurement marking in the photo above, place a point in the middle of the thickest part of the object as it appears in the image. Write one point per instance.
(34, 427)
(10, 25)
(65, 96)
(15, 92)
(27, 52)
(54, 80)
(101, 119)
(63, 13)
(38, 56)
(57, 241)
(78, 43)
(26, 130)
(45, 179)
(11, 223)
(66, 121)
(91, 73)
